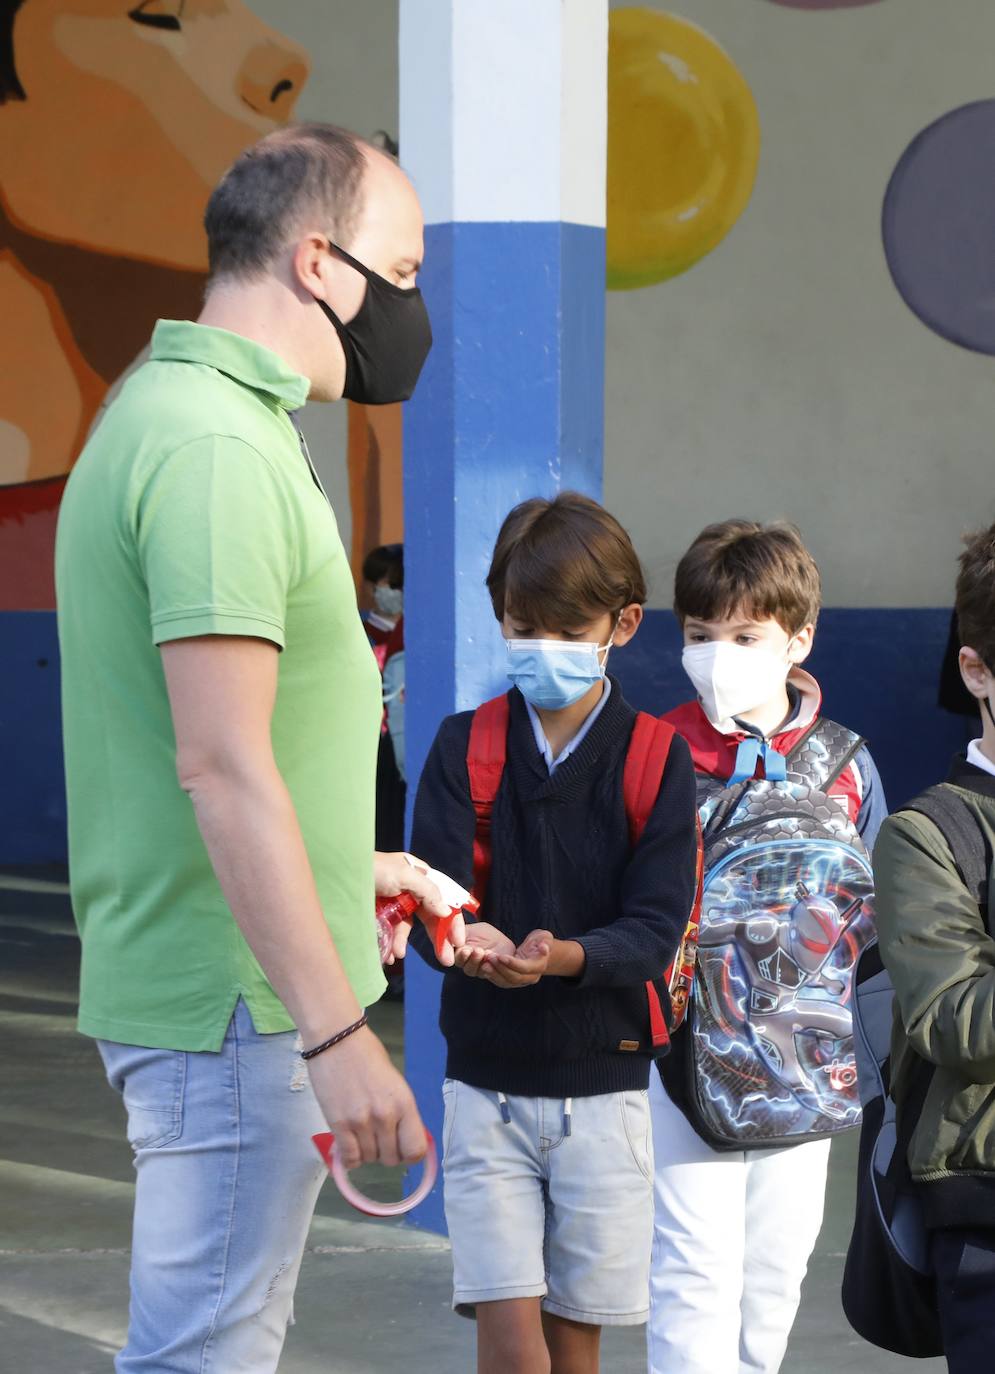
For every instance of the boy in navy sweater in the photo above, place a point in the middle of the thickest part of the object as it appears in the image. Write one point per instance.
(548, 1154)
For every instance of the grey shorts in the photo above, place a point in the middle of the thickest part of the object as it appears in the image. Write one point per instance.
(536, 1213)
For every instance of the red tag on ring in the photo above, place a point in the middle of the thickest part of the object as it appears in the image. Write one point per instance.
(324, 1143)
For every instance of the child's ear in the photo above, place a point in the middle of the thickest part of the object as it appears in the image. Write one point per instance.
(801, 645)
(975, 673)
(629, 622)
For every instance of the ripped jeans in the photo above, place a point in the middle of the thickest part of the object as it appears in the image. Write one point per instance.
(227, 1183)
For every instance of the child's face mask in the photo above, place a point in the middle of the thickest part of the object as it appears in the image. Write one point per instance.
(733, 678)
(388, 600)
(552, 674)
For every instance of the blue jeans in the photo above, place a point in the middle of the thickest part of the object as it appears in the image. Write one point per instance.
(227, 1183)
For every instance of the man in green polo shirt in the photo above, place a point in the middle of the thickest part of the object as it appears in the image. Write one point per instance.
(222, 711)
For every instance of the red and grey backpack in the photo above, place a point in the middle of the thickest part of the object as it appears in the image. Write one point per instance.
(645, 762)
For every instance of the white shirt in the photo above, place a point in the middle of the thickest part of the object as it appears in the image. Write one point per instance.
(980, 760)
(542, 743)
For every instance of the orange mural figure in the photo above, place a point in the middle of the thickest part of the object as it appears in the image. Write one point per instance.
(116, 120)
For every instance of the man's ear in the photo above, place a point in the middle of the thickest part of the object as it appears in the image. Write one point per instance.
(628, 623)
(801, 645)
(309, 262)
(975, 673)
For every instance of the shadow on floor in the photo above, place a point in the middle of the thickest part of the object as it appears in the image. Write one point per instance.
(373, 1297)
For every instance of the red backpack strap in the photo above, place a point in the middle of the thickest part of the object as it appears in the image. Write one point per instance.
(649, 749)
(485, 759)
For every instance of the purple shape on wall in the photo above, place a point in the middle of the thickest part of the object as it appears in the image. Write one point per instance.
(938, 225)
(823, 4)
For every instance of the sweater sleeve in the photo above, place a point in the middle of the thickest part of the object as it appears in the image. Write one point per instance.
(873, 806)
(936, 948)
(444, 823)
(657, 889)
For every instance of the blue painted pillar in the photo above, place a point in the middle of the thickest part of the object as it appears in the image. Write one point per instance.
(503, 133)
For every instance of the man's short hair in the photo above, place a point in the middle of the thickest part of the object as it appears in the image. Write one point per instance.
(387, 560)
(10, 86)
(764, 572)
(305, 174)
(976, 595)
(559, 564)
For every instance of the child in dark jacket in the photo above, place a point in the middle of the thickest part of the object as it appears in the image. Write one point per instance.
(548, 1154)
(937, 940)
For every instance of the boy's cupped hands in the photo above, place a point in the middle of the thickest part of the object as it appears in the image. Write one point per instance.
(491, 955)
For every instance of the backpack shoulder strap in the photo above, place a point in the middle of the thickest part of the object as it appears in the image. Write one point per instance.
(649, 749)
(956, 822)
(486, 755)
(645, 762)
(822, 753)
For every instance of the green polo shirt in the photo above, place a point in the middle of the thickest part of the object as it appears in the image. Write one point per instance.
(193, 511)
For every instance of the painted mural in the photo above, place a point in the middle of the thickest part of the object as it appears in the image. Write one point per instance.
(938, 225)
(115, 122)
(683, 146)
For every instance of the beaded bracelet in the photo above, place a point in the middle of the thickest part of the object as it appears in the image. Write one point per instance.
(336, 1039)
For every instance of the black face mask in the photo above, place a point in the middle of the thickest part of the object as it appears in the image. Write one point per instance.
(386, 344)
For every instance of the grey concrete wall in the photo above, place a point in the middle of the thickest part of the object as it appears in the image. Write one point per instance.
(783, 375)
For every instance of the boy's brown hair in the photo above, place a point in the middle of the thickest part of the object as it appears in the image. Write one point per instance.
(976, 595)
(764, 572)
(558, 564)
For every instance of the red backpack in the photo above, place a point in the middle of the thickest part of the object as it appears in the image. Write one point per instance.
(645, 761)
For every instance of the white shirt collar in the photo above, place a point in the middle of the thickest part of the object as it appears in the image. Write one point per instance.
(980, 760)
(542, 743)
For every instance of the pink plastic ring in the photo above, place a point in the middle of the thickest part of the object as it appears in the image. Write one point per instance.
(325, 1145)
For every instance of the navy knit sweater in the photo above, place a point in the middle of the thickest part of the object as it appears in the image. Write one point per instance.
(562, 861)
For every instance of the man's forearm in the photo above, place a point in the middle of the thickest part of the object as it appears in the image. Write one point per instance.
(254, 841)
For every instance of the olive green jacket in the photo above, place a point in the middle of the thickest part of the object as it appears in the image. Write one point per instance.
(937, 947)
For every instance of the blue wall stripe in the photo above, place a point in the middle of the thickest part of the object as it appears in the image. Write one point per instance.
(32, 786)
(878, 670)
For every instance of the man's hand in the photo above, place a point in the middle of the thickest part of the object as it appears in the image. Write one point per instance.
(367, 1104)
(483, 942)
(394, 873)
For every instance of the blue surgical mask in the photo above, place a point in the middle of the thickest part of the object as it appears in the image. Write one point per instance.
(552, 674)
(388, 600)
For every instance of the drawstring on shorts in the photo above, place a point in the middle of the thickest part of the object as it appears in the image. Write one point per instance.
(568, 1106)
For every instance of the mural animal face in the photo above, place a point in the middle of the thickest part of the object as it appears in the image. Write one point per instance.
(132, 111)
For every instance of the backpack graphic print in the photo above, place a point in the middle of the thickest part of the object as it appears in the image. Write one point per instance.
(787, 909)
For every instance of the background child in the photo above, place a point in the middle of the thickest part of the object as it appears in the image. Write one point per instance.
(936, 943)
(383, 571)
(547, 1150)
(734, 1228)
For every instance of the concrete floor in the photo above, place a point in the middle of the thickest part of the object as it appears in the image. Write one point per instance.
(66, 1192)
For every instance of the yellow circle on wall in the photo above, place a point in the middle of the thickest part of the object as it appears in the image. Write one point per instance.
(683, 146)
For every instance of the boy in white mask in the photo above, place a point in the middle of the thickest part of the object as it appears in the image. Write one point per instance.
(735, 1226)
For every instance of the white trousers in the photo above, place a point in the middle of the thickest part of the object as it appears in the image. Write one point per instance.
(732, 1237)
